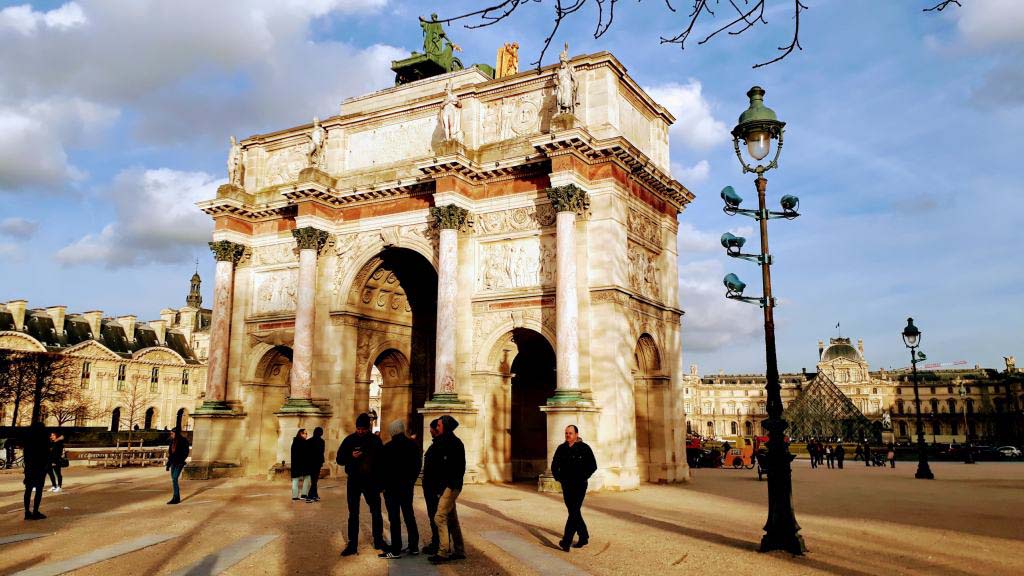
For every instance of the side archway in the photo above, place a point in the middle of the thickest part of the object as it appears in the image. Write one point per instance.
(262, 397)
(651, 398)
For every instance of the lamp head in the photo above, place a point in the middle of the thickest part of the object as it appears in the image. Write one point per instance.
(911, 335)
(790, 204)
(733, 285)
(921, 357)
(758, 125)
(732, 200)
(732, 243)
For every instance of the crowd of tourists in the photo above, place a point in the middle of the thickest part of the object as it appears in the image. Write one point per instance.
(833, 455)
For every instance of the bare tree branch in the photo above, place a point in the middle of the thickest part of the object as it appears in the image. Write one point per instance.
(748, 15)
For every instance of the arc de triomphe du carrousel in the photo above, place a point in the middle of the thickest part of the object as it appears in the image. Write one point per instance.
(500, 246)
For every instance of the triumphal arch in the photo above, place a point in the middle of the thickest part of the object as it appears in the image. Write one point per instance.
(500, 249)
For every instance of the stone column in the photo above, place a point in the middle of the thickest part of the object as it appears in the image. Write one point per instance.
(227, 254)
(310, 241)
(567, 201)
(448, 220)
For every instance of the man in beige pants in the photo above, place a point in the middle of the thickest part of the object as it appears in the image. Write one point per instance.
(450, 456)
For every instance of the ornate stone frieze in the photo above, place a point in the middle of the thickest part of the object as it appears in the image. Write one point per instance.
(225, 250)
(515, 116)
(643, 271)
(283, 165)
(569, 198)
(275, 291)
(310, 238)
(643, 227)
(523, 263)
(284, 253)
(450, 217)
(515, 219)
(348, 247)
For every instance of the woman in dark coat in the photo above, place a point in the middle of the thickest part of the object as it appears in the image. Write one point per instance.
(177, 454)
(300, 465)
(315, 453)
(56, 458)
(36, 450)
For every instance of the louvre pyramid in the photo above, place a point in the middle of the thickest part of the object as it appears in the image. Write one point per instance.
(821, 410)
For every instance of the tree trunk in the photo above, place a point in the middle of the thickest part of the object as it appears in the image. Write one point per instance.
(17, 404)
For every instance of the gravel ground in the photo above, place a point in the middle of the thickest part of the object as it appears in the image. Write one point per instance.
(857, 521)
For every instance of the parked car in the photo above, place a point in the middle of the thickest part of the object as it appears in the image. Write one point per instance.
(1009, 451)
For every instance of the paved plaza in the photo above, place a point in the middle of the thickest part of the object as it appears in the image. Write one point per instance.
(857, 521)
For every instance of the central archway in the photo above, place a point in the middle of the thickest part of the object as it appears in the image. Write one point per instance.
(533, 382)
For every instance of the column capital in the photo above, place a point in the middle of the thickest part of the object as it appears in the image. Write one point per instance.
(226, 250)
(310, 238)
(450, 217)
(569, 198)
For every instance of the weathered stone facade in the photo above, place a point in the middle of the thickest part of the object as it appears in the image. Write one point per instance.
(164, 360)
(520, 277)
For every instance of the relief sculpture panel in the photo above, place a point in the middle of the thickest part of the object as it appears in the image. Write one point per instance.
(284, 165)
(275, 254)
(391, 143)
(524, 263)
(275, 291)
(643, 227)
(643, 271)
(516, 219)
(515, 116)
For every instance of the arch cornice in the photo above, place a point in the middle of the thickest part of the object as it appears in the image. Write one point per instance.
(139, 355)
(490, 349)
(365, 248)
(34, 345)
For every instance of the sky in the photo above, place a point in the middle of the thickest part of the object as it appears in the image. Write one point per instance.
(902, 139)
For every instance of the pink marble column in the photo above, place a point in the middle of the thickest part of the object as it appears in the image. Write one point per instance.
(567, 201)
(310, 241)
(227, 254)
(449, 220)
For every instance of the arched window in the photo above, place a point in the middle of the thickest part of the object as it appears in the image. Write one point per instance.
(970, 407)
(936, 428)
(953, 428)
(934, 405)
(121, 373)
(951, 405)
(734, 428)
(184, 381)
(154, 379)
(903, 428)
(748, 428)
(899, 406)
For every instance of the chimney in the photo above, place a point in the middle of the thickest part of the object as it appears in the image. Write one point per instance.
(160, 327)
(57, 314)
(128, 323)
(94, 317)
(17, 308)
(168, 315)
(860, 346)
(821, 348)
(188, 322)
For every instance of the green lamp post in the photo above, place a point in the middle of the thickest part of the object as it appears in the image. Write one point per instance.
(912, 338)
(758, 127)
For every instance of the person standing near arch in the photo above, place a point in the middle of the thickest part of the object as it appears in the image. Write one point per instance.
(177, 453)
(572, 467)
(360, 454)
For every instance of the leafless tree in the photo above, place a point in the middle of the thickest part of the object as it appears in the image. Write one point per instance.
(135, 399)
(45, 377)
(740, 16)
(77, 405)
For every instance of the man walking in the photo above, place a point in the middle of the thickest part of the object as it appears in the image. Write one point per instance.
(451, 455)
(830, 456)
(36, 452)
(315, 459)
(360, 454)
(572, 466)
(431, 472)
(840, 455)
(177, 452)
(867, 454)
(402, 467)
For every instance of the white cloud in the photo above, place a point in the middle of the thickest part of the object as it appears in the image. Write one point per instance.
(711, 321)
(991, 22)
(156, 220)
(693, 175)
(26, 21)
(695, 125)
(20, 228)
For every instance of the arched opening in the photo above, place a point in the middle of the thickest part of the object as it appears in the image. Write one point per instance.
(115, 420)
(181, 419)
(264, 397)
(396, 395)
(147, 422)
(903, 428)
(533, 382)
(748, 429)
(648, 398)
(394, 302)
(710, 433)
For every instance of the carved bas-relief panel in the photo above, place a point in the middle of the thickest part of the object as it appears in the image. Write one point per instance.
(643, 271)
(515, 116)
(643, 227)
(275, 254)
(515, 220)
(283, 165)
(524, 263)
(391, 143)
(274, 292)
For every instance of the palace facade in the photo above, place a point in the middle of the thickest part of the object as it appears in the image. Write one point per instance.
(146, 374)
(983, 403)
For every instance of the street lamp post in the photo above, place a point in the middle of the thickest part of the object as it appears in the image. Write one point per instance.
(912, 338)
(757, 127)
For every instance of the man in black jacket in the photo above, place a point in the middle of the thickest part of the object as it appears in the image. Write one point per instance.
(401, 461)
(451, 465)
(177, 452)
(360, 454)
(315, 458)
(431, 470)
(36, 452)
(572, 466)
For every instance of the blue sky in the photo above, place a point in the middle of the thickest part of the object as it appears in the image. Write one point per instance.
(902, 142)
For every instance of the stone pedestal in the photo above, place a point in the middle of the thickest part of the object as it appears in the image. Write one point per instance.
(583, 414)
(564, 121)
(217, 444)
(450, 147)
(296, 414)
(468, 431)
